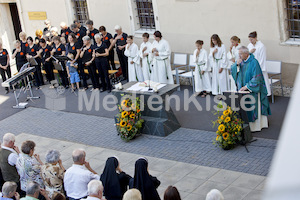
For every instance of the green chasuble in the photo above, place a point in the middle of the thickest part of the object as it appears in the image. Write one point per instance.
(250, 75)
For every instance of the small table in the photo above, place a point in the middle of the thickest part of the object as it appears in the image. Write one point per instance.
(160, 123)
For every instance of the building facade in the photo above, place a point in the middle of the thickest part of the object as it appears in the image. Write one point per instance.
(181, 22)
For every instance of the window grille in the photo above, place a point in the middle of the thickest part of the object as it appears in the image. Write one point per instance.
(293, 18)
(145, 14)
(81, 10)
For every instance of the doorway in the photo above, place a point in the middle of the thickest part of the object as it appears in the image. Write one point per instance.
(15, 19)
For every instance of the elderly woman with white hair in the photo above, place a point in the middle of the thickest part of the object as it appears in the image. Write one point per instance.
(95, 190)
(9, 191)
(214, 194)
(53, 172)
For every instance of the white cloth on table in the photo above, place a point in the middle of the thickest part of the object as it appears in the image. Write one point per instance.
(147, 60)
(203, 81)
(261, 121)
(76, 181)
(218, 61)
(162, 72)
(261, 56)
(13, 157)
(134, 70)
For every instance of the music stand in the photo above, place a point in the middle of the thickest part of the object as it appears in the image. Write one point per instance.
(33, 62)
(58, 66)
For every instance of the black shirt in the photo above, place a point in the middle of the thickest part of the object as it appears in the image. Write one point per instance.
(122, 41)
(100, 49)
(24, 46)
(92, 34)
(46, 53)
(73, 49)
(32, 50)
(80, 34)
(66, 31)
(59, 49)
(88, 54)
(3, 57)
(83, 29)
(21, 56)
(106, 39)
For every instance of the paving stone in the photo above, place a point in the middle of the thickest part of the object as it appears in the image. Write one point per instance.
(225, 176)
(248, 181)
(203, 172)
(254, 195)
(234, 193)
(209, 185)
(188, 184)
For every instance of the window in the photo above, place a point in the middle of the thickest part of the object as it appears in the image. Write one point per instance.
(293, 18)
(145, 14)
(81, 10)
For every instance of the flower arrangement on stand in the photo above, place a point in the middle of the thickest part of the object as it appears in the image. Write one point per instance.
(128, 121)
(229, 132)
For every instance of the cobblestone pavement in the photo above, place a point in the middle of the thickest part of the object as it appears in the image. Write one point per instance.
(193, 181)
(184, 145)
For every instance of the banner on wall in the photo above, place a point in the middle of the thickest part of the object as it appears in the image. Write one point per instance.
(37, 15)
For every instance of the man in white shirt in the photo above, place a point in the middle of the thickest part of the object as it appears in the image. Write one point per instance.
(78, 176)
(9, 154)
(95, 190)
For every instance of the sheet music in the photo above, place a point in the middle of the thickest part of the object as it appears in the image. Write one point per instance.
(137, 87)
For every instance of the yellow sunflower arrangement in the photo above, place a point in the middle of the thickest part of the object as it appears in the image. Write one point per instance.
(129, 121)
(229, 131)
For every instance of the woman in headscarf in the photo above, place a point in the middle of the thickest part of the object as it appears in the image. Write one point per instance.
(115, 181)
(144, 182)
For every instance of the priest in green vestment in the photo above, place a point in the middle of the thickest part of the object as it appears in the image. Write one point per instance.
(248, 76)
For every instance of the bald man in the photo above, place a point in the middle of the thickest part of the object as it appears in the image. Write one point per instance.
(78, 176)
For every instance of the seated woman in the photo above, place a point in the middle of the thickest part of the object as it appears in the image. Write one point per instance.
(144, 182)
(115, 181)
(9, 191)
(29, 167)
(52, 173)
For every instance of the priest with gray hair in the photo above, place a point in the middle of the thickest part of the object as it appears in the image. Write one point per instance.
(248, 76)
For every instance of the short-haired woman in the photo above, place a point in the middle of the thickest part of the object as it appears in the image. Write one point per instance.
(101, 53)
(217, 60)
(132, 194)
(28, 165)
(19, 54)
(53, 173)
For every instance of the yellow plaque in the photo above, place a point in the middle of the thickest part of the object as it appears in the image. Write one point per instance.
(37, 15)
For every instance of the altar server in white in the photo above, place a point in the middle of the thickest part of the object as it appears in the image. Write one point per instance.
(258, 49)
(217, 61)
(145, 54)
(134, 68)
(202, 70)
(161, 60)
(232, 57)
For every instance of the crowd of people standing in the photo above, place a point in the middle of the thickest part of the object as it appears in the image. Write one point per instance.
(24, 174)
(93, 49)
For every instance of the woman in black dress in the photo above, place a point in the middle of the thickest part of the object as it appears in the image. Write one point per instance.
(58, 49)
(32, 51)
(19, 54)
(4, 65)
(114, 180)
(144, 182)
(88, 57)
(101, 53)
(45, 53)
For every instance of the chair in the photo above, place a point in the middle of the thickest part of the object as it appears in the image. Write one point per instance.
(179, 60)
(274, 72)
(189, 72)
